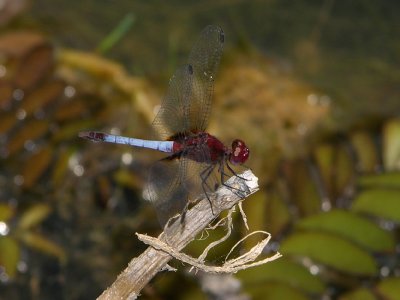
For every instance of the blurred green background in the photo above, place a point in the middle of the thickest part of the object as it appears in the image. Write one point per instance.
(312, 87)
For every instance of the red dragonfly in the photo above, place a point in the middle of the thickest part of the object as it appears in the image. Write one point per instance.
(198, 161)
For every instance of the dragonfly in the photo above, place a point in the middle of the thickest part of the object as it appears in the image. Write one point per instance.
(197, 162)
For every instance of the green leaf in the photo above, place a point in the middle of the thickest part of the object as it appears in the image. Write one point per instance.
(383, 203)
(359, 294)
(6, 212)
(255, 209)
(304, 192)
(365, 149)
(330, 250)
(285, 271)
(34, 215)
(276, 215)
(387, 180)
(117, 34)
(9, 255)
(275, 290)
(391, 145)
(389, 288)
(352, 227)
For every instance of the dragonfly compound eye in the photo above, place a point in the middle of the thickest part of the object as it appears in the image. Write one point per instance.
(240, 153)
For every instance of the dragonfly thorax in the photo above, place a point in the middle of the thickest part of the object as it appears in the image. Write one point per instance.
(201, 147)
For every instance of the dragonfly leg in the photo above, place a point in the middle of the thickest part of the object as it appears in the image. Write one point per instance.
(235, 190)
(233, 171)
(204, 175)
(184, 211)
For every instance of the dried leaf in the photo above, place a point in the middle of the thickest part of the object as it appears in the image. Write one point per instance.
(42, 96)
(35, 65)
(7, 122)
(6, 91)
(71, 110)
(30, 131)
(35, 166)
(44, 245)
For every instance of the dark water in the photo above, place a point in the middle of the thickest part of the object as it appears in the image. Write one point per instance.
(348, 49)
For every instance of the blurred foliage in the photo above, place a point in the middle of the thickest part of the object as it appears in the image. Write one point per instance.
(351, 242)
(23, 233)
(47, 212)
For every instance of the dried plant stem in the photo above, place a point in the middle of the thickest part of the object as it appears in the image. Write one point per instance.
(142, 269)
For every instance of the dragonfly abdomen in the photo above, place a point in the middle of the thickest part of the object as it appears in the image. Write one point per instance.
(163, 146)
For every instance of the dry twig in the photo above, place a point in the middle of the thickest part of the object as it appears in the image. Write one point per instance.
(169, 243)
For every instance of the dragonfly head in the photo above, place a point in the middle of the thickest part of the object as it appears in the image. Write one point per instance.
(239, 153)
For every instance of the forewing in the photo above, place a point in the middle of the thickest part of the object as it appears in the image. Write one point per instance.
(187, 104)
(204, 58)
(173, 116)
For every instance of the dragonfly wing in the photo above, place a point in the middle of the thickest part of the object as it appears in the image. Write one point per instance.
(172, 183)
(187, 105)
(173, 114)
(166, 188)
(204, 58)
